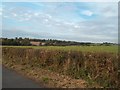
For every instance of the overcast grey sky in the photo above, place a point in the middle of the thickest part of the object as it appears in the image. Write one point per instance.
(78, 21)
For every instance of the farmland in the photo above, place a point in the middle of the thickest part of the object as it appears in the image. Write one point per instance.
(109, 49)
(94, 64)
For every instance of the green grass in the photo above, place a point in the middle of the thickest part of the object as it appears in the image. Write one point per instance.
(46, 79)
(110, 49)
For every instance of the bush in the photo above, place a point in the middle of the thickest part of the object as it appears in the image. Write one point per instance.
(99, 67)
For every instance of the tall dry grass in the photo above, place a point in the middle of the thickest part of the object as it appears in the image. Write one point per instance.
(98, 67)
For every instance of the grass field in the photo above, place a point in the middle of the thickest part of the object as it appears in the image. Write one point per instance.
(110, 49)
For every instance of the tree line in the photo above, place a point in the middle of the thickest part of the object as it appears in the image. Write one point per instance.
(48, 42)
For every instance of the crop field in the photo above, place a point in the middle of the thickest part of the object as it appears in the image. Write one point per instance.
(109, 49)
(97, 64)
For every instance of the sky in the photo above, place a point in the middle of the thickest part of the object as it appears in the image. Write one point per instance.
(72, 21)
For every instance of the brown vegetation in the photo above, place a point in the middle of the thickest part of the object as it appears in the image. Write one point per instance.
(100, 68)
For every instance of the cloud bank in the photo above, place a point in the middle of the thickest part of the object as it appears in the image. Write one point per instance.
(95, 22)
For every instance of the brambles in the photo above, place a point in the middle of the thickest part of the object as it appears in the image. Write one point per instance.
(99, 67)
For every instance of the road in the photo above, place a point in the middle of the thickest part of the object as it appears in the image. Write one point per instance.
(11, 79)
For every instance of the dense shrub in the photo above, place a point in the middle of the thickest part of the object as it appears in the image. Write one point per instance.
(97, 67)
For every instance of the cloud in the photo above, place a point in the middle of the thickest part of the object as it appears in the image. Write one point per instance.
(36, 14)
(1, 10)
(14, 14)
(107, 9)
(87, 13)
(22, 33)
(68, 21)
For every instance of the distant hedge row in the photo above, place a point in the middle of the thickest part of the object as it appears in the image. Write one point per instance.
(48, 42)
(93, 67)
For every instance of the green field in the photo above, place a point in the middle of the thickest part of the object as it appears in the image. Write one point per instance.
(110, 49)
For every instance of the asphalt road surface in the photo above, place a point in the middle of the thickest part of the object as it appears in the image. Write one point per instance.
(11, 79)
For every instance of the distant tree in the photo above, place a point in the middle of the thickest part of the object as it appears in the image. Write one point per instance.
(25, 42)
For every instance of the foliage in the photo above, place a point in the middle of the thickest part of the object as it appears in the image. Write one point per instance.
(49, 42)
(100, 67)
